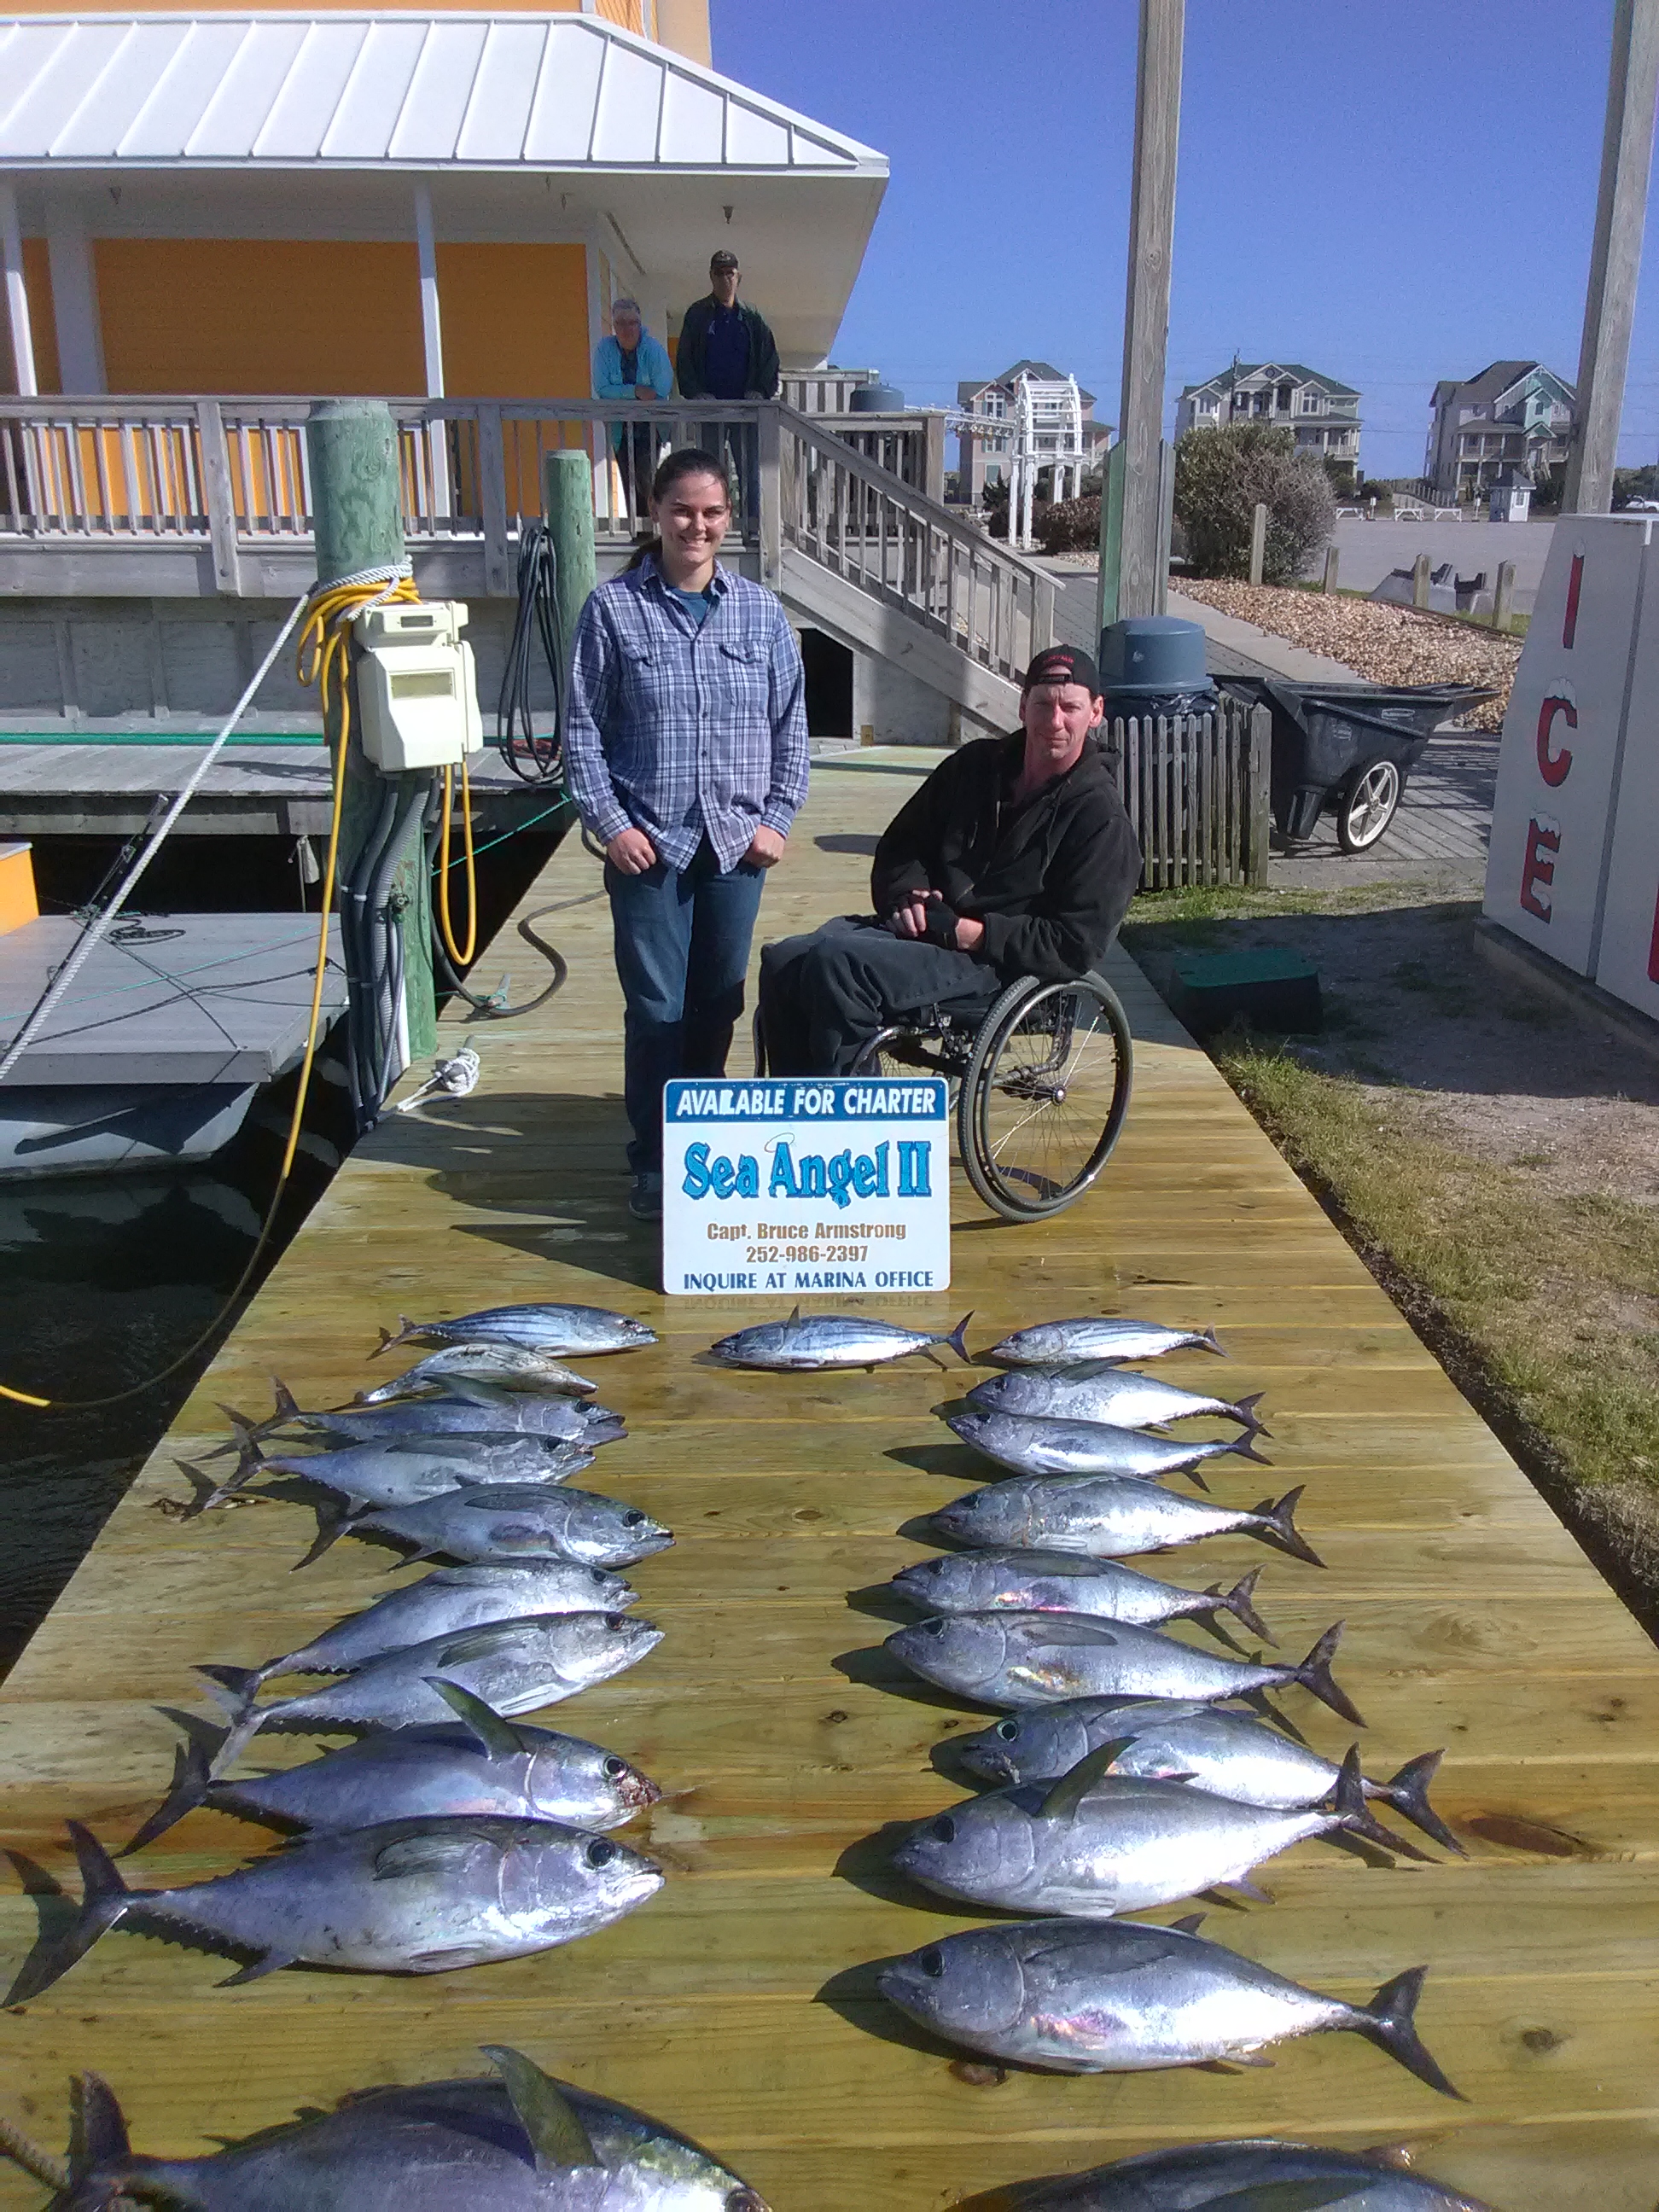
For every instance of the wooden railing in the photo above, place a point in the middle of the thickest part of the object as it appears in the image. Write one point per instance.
(861, 522)
(822, 390)
(1196, 788)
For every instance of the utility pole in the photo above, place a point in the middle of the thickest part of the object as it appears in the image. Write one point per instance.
(1130, 584)
(1620, 217)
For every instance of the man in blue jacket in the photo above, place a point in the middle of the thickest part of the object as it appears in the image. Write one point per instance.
(631, 365)
(727, 352)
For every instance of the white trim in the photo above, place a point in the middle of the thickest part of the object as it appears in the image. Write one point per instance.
(17, 298)
(75, 301)
(432, 331)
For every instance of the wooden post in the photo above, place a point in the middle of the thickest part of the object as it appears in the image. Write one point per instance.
(1146, 317)
(1259, 818)
(933, 475)
(359, 524)
(221, 498)
(1503, 595)
(1620, 216)
(1111, 540)
(1258, 541)
(1165, 527)
(567, 502)
(1420, 581)
(1329, 584)
(770, 446)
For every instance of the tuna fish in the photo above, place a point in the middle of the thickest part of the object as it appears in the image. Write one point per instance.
(1232, 1754)
(819, 1341)
(403, 1897)
(1099, 1390)
(1061, 1343)
(1014, 1659)
(507, 1366)
(1061, 1582)
(480, 1763)
(583, 1330)
(488, 1526)
(1031, 1446)
(451, 1598)
(521, 2142)
(1093, 1844)
(466, 1409)
(1242, 2176)
(1117, 1996)
(1111, 1517)
(513, 1666)
(403, 1470)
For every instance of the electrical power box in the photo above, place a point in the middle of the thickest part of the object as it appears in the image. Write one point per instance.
(418, 687)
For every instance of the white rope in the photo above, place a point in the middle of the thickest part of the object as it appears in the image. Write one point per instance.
(95, 930)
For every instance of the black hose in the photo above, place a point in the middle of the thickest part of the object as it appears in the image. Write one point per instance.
(533, 759)
(363, 1030)
(411, 795)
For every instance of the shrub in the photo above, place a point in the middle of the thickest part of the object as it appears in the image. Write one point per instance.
(1220, 475)
(1072, 526)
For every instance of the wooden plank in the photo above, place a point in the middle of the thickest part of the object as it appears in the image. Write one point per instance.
(739, 2004)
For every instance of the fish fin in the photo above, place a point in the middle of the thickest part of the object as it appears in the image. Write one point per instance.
(104, 1898)
(1283, 2196)
(1408, 1793)
(1239, 1602)
(191, 1781)
(497, 1738)
(1356, 1816)
(1196, 1478)
(327, 1531)
(1189, 1923)
(428, 1852)
(1242, 1886)
(1245, 1407)
(1281, 1531)
(1074, 1633)
(480, 1643)
(1210, 1342)
(546, 2115)
(1314, 1675)
(1074, 1786)
(795, 1314)
(271, 1963)
(958, 1340)
(1086, 1370)
(1389, 2022)
(1245, 1447)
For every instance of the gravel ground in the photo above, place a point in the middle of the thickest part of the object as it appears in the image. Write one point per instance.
(1384, 644)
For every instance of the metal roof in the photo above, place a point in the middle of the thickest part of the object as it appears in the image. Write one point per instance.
(398, 90)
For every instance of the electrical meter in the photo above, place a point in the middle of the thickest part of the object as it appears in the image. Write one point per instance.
(417, 687)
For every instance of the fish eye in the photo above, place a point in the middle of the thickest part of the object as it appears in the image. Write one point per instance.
(614, 1620)
(632, 1518)
(597, 1575)
(943, 1829)
(1007, 1730)
(615, 1768)
(934, 1627)
(935, 1567)
(932, 1962)
(601, 1853)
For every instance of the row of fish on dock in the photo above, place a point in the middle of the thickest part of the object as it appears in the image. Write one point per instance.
(448, 1833)
(1127, 1778)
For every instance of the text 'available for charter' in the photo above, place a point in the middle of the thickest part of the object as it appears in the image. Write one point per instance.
(837, 1183)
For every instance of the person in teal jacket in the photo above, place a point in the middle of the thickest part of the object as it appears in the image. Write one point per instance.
(631, 365)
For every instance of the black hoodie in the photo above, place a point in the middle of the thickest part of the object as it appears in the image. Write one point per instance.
(1050, 878)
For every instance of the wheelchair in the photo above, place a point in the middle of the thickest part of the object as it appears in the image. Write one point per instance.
(1040, 1083)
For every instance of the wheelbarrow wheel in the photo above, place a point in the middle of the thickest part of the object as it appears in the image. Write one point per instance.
(1369, 803)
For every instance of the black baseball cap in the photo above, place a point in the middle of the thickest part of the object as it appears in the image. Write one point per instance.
(1062, 664)
(724, 259)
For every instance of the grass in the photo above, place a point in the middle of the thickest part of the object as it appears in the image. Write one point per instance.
(1537, 1285)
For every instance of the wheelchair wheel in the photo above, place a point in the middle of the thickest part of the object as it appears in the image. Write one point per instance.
(1044, 1095)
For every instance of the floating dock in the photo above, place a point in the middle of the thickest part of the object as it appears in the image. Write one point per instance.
(739, 2004)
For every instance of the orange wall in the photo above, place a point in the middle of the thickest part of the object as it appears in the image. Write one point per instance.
(260, 315)
(514, 322)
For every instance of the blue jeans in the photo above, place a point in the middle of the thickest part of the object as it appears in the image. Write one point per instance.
(682, 946)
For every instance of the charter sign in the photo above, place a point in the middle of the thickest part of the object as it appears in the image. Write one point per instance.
(784, 1185)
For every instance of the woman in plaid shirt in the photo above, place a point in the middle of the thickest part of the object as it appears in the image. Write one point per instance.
(685, 751)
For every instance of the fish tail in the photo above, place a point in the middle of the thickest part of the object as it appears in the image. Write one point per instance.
(245, 1720)
(1245, 1445)
(958, 1340)
(248, 1432)
(1278, 1528)
(104, 1898)
(100, 2153)
(405, 1329)
(1356, 1816)
(1408, 1793)
(1245, 1408)
(190, 1788)
(1314, 1673)
(1239, 1601)
(207, 1493)
(286, 1406)
(1389, 2020)
(327, 1531)
(1210, 1342)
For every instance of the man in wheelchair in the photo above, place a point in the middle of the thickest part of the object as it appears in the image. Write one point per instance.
(1015, 858)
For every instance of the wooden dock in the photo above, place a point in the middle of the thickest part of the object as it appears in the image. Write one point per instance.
(739, 2004)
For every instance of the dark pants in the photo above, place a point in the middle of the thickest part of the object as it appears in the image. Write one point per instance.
(682, 944)
(636, 464)
(737, 445)
(822, 998)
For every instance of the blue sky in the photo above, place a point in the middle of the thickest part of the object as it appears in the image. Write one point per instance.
(1391, 192)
